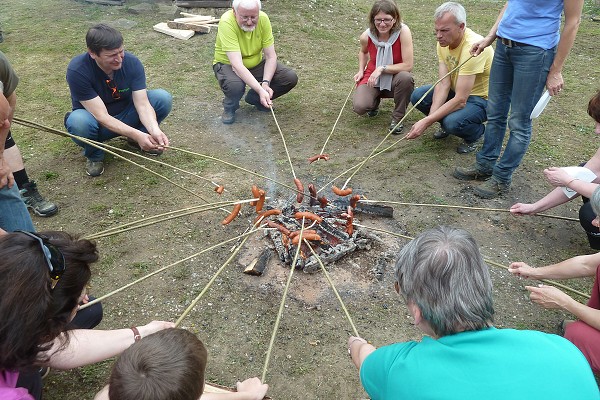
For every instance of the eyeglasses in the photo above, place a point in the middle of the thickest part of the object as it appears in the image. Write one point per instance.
(53, 256)
(113, 88)
(250, 18)
(383, 20)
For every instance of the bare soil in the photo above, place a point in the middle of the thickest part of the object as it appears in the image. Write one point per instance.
(235, 317)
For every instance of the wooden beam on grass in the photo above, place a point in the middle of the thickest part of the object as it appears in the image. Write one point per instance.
(183, 34)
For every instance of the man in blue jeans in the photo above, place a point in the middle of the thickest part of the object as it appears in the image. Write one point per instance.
(109, 97)
(530, 54)
(459, 101)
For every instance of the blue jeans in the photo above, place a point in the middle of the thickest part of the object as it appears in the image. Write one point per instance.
(81, 123)
(13, 213)
(517, 79)
(466, 123)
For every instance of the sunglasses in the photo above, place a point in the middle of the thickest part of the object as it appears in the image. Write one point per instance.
(53, 256)
(113, 88)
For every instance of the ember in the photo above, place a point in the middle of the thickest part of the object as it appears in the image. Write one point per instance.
(329, 230)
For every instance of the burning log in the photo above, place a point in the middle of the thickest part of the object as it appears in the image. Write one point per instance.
(258, 265)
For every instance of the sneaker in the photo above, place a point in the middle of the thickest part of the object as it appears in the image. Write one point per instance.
(228, 117)
(134, 145)
(465, 148)
(491, 189)
(373, 113)
(34, 200)
(441, 134)
(94, 168)
(470, 173)
(395, 130)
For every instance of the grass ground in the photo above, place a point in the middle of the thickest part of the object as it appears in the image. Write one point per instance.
(319, 39)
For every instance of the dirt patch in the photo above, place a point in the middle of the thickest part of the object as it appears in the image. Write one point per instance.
(236, 315)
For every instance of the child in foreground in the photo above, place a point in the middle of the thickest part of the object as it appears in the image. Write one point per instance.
(169, 365)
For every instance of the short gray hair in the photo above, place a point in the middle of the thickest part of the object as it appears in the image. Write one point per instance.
(456, 9)
(245, 4)
(443, 273)
(595, 200)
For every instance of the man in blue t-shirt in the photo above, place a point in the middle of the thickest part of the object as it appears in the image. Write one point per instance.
(448, 291)
(109, 96)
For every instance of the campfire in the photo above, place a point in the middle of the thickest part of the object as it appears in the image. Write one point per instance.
(328, 228)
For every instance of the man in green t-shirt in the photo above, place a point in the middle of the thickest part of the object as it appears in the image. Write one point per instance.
(245, 55)
(459, 101)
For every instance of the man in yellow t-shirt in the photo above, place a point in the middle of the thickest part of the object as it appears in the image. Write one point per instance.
(459, 101)
(245, 55)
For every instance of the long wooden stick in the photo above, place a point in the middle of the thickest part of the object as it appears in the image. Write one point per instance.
(548, 281)
(333, 288)
(215, 276)
(284, 144)
(143, 278)
(403, 118)
(338, 118)
(462, 207)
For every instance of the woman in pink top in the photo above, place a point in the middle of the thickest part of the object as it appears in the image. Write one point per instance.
(385, 62)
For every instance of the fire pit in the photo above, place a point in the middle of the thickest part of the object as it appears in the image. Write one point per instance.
(328, 228)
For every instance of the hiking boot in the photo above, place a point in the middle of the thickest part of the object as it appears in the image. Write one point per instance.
(94, 168)
(465, 148)
(373, 113)
(134, 145)
(34, 200)
(228, 117)
(491, 189)
(396, 130)
(441, 134)
(470, 173)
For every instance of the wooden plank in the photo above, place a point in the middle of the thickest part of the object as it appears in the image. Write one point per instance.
(203, 3)
(194, 27)
(192, 20)
(190, 15)
(182, 34)
(107, 2)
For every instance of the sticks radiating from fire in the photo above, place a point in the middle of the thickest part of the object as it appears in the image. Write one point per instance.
(154, 219)
(490, 262)
(215, 276)
(333, 288)
(284, 145)
(281, 306)
(403, 118)
(111, 150)
(462, 208)
(231, 165)
(164, 268)
(338, 118)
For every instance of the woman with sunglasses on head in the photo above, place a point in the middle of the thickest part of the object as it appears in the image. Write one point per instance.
(385, 62)
(43, 277)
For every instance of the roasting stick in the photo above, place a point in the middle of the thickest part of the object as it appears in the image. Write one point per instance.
(495, 264)
(86, 305)
(215, 276)
(283, 140)
(338, 118)
(463, 208)
(155, 219)
(229, 164)
(403, 118)
(333, 288)
(282, 304)
(109, 149)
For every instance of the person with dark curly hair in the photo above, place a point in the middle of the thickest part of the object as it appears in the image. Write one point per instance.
(43, 277)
